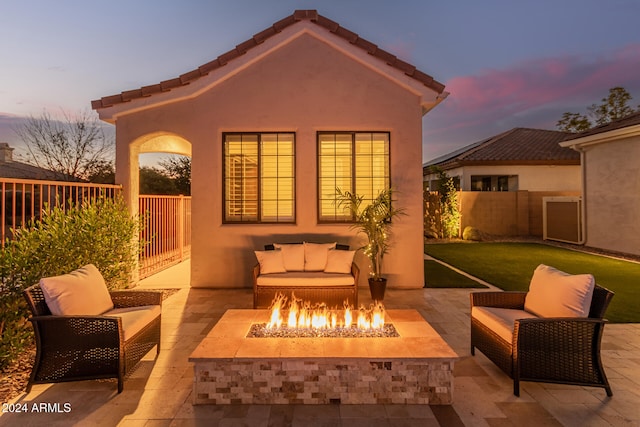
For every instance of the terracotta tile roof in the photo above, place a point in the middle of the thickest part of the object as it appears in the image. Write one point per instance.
(26, 171)
(242, 48)
(518, 146)
(630, 120)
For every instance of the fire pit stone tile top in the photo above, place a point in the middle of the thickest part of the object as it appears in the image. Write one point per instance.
(415, 368)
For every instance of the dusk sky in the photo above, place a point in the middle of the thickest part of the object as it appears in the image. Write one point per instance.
(505, 63)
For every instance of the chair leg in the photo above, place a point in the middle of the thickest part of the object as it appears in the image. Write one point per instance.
(473, 350)
(120, 384)
(516, 387)
(608, 390)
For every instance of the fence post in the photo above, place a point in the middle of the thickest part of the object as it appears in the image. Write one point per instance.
(181, 226)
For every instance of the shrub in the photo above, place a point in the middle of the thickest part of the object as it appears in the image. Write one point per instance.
(98, 231)
(442, 214)
(471, 233)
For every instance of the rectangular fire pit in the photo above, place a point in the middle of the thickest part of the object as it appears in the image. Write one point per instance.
(415, 368)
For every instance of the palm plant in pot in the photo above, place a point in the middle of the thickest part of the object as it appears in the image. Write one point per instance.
(374, 220)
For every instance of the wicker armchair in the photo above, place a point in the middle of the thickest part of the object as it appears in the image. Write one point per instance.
(554, 350)
(73, 348)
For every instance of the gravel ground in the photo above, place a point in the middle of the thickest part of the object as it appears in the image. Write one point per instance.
(14, 378)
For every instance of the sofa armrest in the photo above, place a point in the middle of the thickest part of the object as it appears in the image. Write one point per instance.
(256, 272)
(355, 272)
(513, 300)
(80, 332)
(548, 343)
(123, 299)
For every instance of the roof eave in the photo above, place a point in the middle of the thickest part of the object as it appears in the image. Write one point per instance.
(598, 138)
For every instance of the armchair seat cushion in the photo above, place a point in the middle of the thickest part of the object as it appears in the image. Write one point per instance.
(500, 320)
(134, 319)
(307, 278)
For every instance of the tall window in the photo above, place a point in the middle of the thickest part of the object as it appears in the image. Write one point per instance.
(351, 161)
(259, 177)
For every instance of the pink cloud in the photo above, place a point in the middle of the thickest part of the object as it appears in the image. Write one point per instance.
(536, 82)
(568, 83)
(532, 93)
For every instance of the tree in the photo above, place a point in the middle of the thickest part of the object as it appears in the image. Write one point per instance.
(72, 146)
(154, 181)
(573, 122)
(613, 107)
(179, 170)
(102, 172)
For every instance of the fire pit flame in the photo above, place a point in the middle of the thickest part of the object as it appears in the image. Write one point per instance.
(302, 316)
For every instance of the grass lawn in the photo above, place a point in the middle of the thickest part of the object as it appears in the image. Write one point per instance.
(437, 275)
(509, 266)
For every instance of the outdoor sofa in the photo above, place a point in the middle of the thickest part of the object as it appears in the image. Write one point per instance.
(314, 272)
(84, 331)
(552, 333)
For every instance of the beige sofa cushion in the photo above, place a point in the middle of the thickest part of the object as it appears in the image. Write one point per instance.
(554, 293)
(306, 278)
(293, 255)
(81, 292)
(500, 320)
(270, 262)
(339, 261)
(134, 319)
(315, 255)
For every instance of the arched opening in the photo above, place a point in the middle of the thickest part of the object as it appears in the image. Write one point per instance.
(165, 212)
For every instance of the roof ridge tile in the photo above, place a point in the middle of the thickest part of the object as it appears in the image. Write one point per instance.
(311, 15)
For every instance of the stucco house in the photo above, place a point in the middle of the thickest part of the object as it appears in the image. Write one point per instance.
(273, 127)
(611, 190)
(515, 160)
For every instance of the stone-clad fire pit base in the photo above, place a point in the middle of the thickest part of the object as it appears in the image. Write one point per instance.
(416, 368)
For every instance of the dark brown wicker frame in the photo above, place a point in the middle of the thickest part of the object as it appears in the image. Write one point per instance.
(554, 350)
(330, 295)
(74, 348)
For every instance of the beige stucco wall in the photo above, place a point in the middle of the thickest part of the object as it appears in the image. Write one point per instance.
(304, 86)
(612, 194)
(530, 177)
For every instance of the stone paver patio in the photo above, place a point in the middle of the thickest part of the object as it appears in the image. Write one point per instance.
(159, 392)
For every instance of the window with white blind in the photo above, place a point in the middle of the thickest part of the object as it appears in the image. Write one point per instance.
(351, 161)
(259, 177)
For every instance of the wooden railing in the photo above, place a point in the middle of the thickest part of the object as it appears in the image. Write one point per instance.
(24, 200)
(166, 232)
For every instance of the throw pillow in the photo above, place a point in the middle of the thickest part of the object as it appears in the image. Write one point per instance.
(554, 293)
(315, 255)
(82, 292)
(293, 256)
(270, 262)
(339, 261)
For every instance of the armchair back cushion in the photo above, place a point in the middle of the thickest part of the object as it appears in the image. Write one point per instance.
(81, 292)
(554, 293)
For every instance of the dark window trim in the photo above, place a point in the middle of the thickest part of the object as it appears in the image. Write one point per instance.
(319, 219)
(224, 182)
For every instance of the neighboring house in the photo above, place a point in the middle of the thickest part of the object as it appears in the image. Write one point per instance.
(611, 196)
(273, 127)
(10, 168)
(518, 159)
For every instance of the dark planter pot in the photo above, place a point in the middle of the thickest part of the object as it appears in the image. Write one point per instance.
(377, 288)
